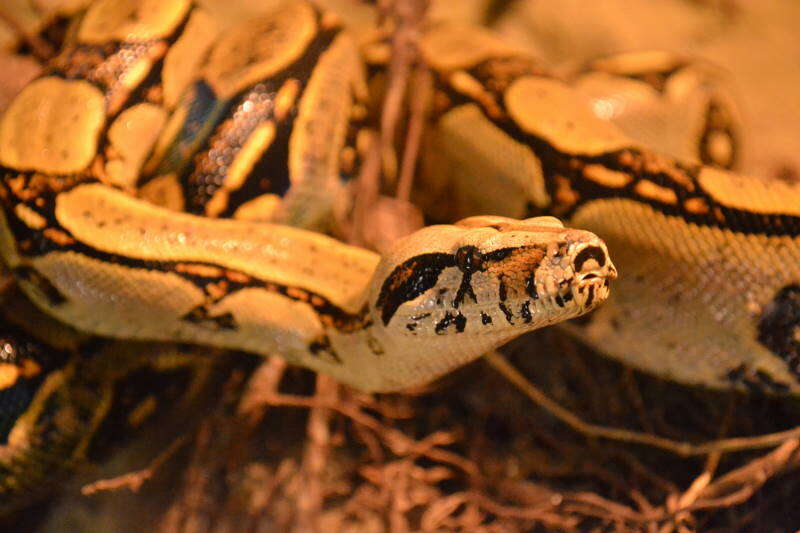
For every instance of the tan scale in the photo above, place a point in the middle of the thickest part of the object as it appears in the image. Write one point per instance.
(649, 190)
(607, 177)
(286, 97)
(550, 109)
(133, 20)
(255, 50)
(661, 100)
(132, 136)
(450, 47)
(52, 126)
(31, 218)
(262, 208)
(185, 58)
(762, 196)
(164, 191)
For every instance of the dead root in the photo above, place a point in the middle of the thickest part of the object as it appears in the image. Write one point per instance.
(292, 453)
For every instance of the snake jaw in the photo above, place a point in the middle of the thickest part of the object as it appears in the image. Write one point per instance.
(594, 272)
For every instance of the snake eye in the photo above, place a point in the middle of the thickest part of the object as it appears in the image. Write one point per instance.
(469, 259)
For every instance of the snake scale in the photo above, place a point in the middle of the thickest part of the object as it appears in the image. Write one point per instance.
(171, 177)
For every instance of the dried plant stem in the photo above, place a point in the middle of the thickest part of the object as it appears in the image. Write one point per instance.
(684, 449)
(133, 481)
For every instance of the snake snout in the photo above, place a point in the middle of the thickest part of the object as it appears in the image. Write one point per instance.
(593, 271)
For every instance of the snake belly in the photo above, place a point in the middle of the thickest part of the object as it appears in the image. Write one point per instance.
(708, 259)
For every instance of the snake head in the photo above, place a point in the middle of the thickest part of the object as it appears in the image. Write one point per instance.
(491, 278)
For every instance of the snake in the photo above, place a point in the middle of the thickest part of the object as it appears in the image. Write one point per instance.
(163, 182)
(175, 177)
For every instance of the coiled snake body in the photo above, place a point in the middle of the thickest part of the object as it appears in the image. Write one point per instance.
(153, 108)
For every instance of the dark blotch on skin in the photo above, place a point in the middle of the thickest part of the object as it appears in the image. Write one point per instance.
(409, 280)
(485, 319)
(507, 312)
(459, 320)
(497, 255)
(525, 312)
(200, 316)
(559, 300)
(778, 326)
(469, 260)
(530, 286)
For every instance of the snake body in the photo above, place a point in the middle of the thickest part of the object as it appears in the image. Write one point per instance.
(161, 181)
(708, 258)
(148, 196)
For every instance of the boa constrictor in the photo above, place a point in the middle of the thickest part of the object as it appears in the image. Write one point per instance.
(266, 120)
(160, 182)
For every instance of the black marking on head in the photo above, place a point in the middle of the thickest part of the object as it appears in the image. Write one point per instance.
(485, 318)
(200, 316)
(411, 326)
(525, 312)
(590, 252)
(559, 300)
(779, 326)
(410, 279)
(465, 289)
(507, 312)
(449, 319)
(469, 260)
(41, 284)
(502, 291)
(530, 286)
(498, 255)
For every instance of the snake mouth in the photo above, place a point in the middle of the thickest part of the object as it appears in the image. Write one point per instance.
(592, 288)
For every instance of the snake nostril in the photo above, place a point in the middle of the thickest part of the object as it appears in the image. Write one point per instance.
(590, 258)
